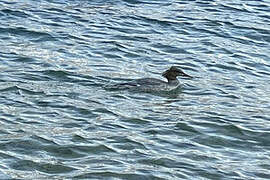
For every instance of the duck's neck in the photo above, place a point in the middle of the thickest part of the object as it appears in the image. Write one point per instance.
(173, 81)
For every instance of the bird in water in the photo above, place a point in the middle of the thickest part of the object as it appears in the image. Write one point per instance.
(152, 84)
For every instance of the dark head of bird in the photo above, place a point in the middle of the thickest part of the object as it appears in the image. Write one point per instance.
(173, 72)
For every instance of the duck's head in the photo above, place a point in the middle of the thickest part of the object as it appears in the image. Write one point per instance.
(173, 72)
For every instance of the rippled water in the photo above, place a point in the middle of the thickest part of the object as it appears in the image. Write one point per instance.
(58, 122)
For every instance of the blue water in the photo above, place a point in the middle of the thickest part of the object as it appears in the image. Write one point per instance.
(58, 122)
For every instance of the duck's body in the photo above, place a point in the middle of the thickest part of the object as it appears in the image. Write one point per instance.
(149, 84)
(152, 84)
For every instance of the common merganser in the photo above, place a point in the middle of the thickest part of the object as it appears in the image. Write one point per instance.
(152, 84)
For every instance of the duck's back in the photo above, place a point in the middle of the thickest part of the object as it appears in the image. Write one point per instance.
(149, 82)
(146, 85)
(155, 85)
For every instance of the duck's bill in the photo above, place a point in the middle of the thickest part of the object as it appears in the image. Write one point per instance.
(186, 75)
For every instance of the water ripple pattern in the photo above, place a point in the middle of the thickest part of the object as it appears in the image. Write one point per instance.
(58, 122)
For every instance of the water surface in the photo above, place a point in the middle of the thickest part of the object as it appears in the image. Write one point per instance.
(58, 122)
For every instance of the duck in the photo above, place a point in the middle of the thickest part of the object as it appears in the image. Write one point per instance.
(153, 84)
